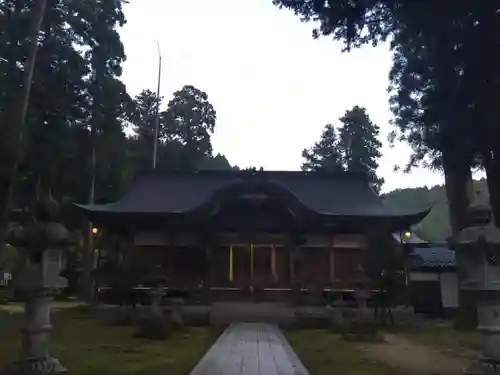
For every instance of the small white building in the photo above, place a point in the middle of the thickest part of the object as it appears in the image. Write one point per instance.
(433, 279)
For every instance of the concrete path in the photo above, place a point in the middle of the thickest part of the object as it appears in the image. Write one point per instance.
(250, 349)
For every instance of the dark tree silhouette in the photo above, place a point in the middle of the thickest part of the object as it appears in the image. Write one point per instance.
(354, 147)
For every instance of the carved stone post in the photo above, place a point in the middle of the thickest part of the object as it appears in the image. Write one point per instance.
(157, 324)
(479, 244)
(156, 301)
(363, 327)
(361, 292)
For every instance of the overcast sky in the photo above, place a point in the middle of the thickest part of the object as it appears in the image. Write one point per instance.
(274, 88)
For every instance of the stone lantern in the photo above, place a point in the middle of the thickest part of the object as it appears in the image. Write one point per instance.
(362, 327)
(479, 246)
(361, 290)
(44, 242)
(157, 293)
(156, 324)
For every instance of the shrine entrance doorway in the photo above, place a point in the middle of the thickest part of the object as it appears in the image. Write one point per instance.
(252, 265)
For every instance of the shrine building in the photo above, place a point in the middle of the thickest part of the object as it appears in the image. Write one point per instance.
(232, 230)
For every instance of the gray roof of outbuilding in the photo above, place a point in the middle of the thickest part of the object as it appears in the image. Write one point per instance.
(434, 257)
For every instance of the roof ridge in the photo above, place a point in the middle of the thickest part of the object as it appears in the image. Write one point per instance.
(355, 175)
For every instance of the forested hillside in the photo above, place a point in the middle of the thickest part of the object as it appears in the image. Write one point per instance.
(436, 225)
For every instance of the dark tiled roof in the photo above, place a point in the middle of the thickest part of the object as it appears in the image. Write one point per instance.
(340, 194)
(432, 257)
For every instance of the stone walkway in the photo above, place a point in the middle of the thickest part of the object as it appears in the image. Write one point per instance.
(250, 349)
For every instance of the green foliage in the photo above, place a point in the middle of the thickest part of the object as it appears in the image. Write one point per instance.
(324, 354)
(155, 327)
(218, 162)
(385, 266)
(324, 154)
(384, 262)
(354, 147)
(190, 120)
(79, 107)
(75, 89)
(444, 55)
(359, 144)
(362, 330)
(184, 132)
(143, 115)
(436, 225)
(446, 337)
(351, 22)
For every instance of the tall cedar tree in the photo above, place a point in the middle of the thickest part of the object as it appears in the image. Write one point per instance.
(105, 95)
(190, 121)
(184, 140)
(324, 154)
(359, 145)
(354, 147)
(14, 111)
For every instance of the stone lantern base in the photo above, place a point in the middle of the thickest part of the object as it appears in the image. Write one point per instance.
(35, 359)
(484, 366)
(35, 366)
(488, 325)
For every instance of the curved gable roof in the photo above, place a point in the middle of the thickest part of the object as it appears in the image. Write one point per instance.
(333, 194)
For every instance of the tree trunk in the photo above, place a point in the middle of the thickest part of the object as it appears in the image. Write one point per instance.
(489, 95)
(456, 157)
(88, 249)
(492, 167)
(11, 131)
(459, 192)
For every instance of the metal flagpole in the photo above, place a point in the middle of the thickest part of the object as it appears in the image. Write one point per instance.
(157, 118)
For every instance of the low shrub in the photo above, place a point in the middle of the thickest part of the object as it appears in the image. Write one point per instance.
(155, 326)
(122, 317)
(177, 318)
(196, 316)
(361, 330)
(309, 319)
(336, 320)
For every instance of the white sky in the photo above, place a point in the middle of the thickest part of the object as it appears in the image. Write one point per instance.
(274, 88)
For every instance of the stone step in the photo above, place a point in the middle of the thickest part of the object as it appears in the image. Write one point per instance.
(275, 313)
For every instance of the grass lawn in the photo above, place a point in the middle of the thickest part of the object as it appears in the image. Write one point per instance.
(326, 354)
(445, 337)
(86, 346)
(18, 307)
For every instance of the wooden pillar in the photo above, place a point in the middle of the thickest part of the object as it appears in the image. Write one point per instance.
(251, 262)
(293, 243)
(231, 263)
(208, 266)
(292, 263)
(128, 248)
(170, 257)
(164, 258)
(274, 274)
(331, 258)
(208, 241)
